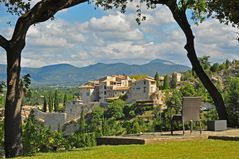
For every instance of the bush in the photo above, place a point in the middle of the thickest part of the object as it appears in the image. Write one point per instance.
(37, 138)
(79, 139)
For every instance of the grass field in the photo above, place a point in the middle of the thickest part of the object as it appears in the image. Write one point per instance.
(196, 149)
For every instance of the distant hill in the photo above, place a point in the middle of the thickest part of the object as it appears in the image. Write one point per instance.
(65, 74)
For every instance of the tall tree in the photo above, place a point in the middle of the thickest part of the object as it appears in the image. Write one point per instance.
(44, 108)
(166, 84)
(157, 80)
(82, 123)
(64, 100)
(40, 12)
(50, 103)
(56, 102)
(173, 82)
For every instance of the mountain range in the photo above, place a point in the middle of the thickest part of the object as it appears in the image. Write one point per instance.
(66, 74)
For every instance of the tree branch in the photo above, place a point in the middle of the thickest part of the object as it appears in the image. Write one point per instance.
(3, 42)
(41, 12)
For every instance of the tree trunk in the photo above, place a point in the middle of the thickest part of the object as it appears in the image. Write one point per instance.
(13, 123)
(181, 18)
(40, 12)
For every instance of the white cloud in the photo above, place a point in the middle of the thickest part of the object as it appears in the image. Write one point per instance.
(116, 37)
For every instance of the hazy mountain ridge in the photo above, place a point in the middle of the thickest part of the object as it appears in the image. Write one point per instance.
(66, 74)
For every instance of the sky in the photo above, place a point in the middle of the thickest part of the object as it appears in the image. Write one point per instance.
(83, 35)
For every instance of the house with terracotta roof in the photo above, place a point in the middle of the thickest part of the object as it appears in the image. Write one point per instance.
(112, 87)
(108, 87)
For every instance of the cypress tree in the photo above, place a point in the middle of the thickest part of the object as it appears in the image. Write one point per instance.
(56, 102)
(174, 81)
(157, 80)
(64, 100)
(166, 84)
(50, 104)
(82, 122)
(44, 108)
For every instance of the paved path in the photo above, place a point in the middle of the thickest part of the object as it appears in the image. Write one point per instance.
(149, 138)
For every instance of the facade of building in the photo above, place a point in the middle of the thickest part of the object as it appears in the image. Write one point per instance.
(112, 87)
(141, 90)
(108, 87)
(89, 92)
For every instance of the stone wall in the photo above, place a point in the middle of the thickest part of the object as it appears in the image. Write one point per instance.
(67, 121)
(54, 120)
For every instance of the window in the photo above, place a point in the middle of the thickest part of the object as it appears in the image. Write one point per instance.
(104, 92)
(144, 89)
(144, 82)
(104, 87)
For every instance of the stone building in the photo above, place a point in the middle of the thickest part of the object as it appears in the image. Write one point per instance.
(89, 92)
(108, 87)
(142, 89)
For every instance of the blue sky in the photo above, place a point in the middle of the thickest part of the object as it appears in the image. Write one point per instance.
(82, 36)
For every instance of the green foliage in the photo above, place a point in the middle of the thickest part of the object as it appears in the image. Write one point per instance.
(129, 111)
(95, 121)
(208, 115)
(138, 76)
(166, 83)
(200, 90)
(157, 120)
(79, 139)
(64, 100)
(204, 61)
(37, 95)
(115, 109)
(56, 102)
(135, 127)
(2, 86)
(50, 103)
(16, 7)
(26, 81)
(82, 122)
(188, 90)
(1, 133)
(215, 67)
(106, 131)
(226, 11)
(157, 79)
(37, 138)
(2, 93)
(44, 108)
(173, 82)
(232, 100)
(187, 76)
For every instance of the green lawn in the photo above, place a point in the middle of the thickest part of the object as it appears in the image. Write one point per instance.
(197, 149)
